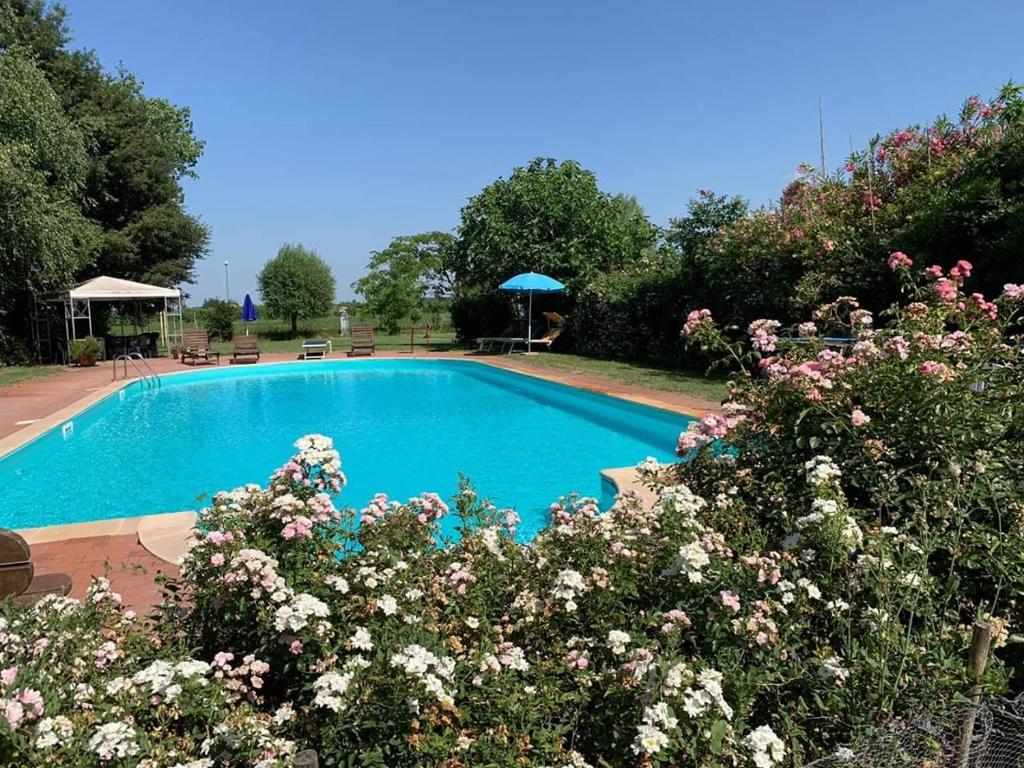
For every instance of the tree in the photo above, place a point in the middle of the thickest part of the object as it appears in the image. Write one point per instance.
(44, 237)
(400, 277)
(549, 217)
(138, 150)
(297, 283)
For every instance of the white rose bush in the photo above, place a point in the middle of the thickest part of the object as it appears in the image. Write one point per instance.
(809, 569)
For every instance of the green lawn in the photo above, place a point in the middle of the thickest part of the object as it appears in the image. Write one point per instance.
(275, 336)
(15, 373)
(664, 379)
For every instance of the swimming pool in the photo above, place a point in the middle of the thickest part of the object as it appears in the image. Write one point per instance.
(402, 427)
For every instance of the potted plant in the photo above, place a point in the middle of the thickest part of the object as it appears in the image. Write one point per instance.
(85, 352)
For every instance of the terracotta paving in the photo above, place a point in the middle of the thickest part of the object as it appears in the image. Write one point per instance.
(131, 567)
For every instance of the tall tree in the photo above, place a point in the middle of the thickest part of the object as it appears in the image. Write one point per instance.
(139, 149)
(44, 237)
(400, 277)
(548, 217)
(296, 284)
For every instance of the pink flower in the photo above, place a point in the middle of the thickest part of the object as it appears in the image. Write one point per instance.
(939, 370)
(729, 600)
(899, 259)
(828, 244)
(8, 675)
(961, 270)
(296, 647)
(1013, 291)
(858, 418)
(217, 559)
(934, 271)
(698, 318)
(946, 289)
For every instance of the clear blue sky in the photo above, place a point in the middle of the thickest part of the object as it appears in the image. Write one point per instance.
(342, 124)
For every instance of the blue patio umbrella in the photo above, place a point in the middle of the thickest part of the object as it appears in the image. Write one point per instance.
(531, 282)
(249, 312)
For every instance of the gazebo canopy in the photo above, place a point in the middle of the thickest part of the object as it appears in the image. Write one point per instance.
(115, 289)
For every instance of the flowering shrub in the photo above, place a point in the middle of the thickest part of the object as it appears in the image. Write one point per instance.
(810, 567)
(82, 683)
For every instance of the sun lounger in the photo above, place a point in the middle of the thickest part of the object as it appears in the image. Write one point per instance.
(17, 573)
(246, 346)
(196, 346)
(316, 349)
(362, 341)
(505, 344)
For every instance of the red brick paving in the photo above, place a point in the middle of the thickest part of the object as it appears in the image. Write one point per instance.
(132, 569)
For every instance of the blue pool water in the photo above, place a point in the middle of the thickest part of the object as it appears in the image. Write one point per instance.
(402, 426)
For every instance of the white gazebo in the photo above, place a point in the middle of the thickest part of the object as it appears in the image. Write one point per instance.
(78, 303)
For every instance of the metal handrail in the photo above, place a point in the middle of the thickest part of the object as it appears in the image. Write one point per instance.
(152, 379)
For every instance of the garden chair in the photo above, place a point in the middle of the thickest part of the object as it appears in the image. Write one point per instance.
(246, 346)
(362, 341)
(196, 346)
(17, 573)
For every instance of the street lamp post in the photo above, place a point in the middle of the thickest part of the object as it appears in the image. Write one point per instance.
(227, 289)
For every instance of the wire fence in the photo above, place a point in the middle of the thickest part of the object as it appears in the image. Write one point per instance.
(986, 735)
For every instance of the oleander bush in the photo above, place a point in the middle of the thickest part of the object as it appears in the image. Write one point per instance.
(811, 567)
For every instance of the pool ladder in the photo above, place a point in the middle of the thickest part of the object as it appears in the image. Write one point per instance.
(148, 376)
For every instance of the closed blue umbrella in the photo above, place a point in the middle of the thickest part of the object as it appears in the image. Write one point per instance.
(249, 312)
(531, 282)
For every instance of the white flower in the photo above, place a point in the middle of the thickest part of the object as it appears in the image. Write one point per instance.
(833, 669)
(338, 583)
(360, 640)
(617, 641)
(766, 748)
(388, 605)
(53, 731)
(472, 622)
(112, 740)
(649, 740)
(284, 713)
(296, 615)
(329, 688)
(690, 561)
(821, 470)
(844, 754)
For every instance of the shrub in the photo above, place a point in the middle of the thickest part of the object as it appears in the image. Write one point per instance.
(85, 352)
(219, 317)
(87, 684)
(810, 568)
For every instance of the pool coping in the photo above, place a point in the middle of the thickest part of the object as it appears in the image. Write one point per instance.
(165, 535)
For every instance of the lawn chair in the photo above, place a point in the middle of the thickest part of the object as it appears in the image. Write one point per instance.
(507, 340)
(315, 349)
(17, 574)
(362, 341)
(196, 346)
(246, 346)
(555, 326)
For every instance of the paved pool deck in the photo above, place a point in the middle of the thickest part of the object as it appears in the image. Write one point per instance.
(131, 552)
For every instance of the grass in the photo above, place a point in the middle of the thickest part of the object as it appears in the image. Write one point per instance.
(14, 373)
(695, 385)
(275, 336)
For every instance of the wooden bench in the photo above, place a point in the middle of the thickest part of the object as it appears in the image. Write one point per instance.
(17, 573)
(196, 346)
(246, 346)
(362, 341)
